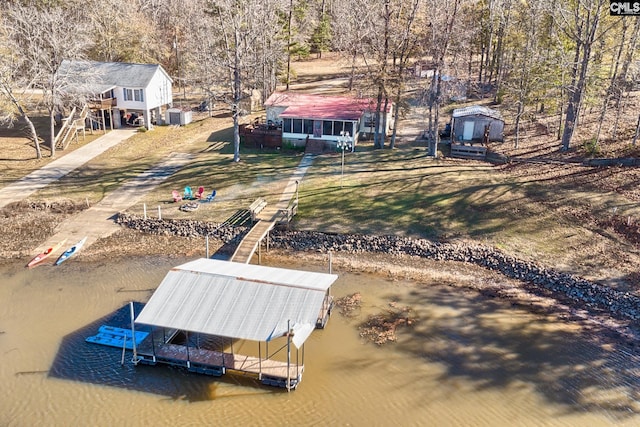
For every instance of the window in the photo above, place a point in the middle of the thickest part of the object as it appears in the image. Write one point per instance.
(133, 95)
(308, 127)
(297, 125)
(337, 127)
(327, 127)
(286, 126)
(348, 127)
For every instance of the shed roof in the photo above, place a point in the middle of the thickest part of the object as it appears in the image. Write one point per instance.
(99, 77)
(301, 105)
(477, 110)
(245, 301)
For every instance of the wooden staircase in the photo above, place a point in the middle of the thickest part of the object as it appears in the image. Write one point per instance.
(70, 127)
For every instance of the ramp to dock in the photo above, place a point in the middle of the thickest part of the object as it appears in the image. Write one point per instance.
(268, 216)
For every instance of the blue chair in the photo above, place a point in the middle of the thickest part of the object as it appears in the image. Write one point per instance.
(188, 193)
(210, 197)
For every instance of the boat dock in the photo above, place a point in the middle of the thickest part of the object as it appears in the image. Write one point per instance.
(216, 363)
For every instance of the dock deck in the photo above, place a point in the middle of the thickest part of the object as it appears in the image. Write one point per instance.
(216, 363)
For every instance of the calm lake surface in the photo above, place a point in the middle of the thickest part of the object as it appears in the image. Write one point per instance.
(467, 361)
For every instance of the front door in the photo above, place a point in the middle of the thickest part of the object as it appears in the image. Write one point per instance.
(317, 128)
(467, 131)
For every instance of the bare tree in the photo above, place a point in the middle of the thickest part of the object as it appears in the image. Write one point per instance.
(352, 36)
(241, 26)
(580, 24)
(14, 92)
(405, 47)
(442, 18)
(42, 36)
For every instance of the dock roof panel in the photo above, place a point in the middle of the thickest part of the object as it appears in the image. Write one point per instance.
(238, 300)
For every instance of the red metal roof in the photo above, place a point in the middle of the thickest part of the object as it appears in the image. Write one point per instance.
(299, 105)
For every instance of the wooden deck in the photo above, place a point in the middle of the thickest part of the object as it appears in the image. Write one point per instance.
(270, 372)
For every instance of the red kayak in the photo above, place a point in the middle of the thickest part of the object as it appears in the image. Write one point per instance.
(44, 255)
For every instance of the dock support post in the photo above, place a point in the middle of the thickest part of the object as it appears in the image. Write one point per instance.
(330, 260)
(133, 334)
(124, 349)
(144, 207)
(159, 212)
(289, 355)
(206, 241)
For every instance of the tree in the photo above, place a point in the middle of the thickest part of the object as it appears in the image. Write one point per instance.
(405, 47)
(442, 18)
(580, 24)
(12, 97)
(321, 37)
(242, 27)
(41, 36)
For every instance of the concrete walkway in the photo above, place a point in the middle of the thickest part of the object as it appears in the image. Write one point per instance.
(98, 221)
(58, 168)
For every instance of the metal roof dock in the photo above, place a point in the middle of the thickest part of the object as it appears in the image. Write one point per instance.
(234, 301)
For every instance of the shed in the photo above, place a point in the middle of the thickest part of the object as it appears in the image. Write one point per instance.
(177, 116)
(469, 125)
(239, 302)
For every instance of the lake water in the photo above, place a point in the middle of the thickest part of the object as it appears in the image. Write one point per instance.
(467, 361)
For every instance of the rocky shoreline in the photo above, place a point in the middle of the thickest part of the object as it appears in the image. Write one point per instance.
(536, 278)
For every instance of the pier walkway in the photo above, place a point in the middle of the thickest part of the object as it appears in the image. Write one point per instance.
(269, 216)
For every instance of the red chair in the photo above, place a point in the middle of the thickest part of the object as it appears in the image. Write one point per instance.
(200, 193)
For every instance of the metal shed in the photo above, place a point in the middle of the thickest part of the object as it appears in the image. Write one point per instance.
(469, 125)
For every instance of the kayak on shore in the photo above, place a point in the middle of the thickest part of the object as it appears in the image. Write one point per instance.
(71, 251)
(44, 255)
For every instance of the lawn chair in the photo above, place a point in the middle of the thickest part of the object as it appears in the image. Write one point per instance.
(210, 197)
(176, 196)
(200, 193)
(188, 193)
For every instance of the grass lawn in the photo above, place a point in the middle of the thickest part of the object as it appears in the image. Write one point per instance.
(550, 219)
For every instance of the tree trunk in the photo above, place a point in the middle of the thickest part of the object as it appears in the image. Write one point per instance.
(352, 76)
(628, 59)
(635, 137)
(378, 141)
(237, 97)
(612, 84)
(517, 124)
(289, 44)
(577, 91)
(23, 115)
(52, 127)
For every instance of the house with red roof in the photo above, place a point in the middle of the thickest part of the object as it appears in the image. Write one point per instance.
(305, 117)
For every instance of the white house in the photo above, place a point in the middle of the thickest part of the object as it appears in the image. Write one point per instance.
(120, 93)
(305, 117)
